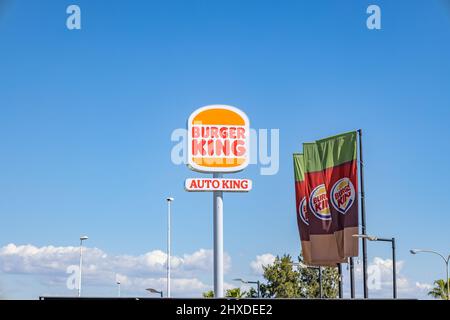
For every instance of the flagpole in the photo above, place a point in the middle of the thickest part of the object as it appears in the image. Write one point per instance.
(352, 278)
(363, 216)
(340, 280)
(320, 283)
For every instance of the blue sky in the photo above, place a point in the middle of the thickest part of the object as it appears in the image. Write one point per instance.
(87, 115)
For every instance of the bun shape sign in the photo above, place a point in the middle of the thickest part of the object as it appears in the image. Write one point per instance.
(218, 139)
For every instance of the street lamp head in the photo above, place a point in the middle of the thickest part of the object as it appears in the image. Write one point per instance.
(152, 290)
(118, 282)
(170, 199)
(84, 238)
(365, 236)
(414, 251)
(240, 280)
(300, 265)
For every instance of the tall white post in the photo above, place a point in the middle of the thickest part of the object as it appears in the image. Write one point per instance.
(218, 241)
(169, 200)
(81, 263)
(448, 281)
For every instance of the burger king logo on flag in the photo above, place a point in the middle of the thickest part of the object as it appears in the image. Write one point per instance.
(302, 211)
(343, 195)
(318, 203)
(218, 139)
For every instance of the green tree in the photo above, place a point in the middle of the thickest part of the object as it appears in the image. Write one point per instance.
(251, 293)
(440, 290)
(310, 285)
(235, 293)
(208, 294)
(284, 280)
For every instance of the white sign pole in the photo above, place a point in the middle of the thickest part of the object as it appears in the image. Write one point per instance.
(229, 129)
(168, 247)
(218, 241)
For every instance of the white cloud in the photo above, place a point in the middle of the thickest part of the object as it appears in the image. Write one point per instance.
(189, 271)
(134, 272)
(423, 286)
(381, 280)
(260, 261)
(379, 271)
(48, 259)
(203, 260)
(31, 259)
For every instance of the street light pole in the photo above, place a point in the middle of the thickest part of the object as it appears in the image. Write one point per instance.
(446, 260)
(394, 267)
(82, 238)
(155, 291)
(301, 265)
(169, 200)
(258, 285)
(118, 284)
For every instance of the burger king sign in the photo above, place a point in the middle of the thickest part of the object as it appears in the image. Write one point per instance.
(218, 142)
(218, 139)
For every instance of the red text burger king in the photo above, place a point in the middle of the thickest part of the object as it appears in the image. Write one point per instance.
(218, 139)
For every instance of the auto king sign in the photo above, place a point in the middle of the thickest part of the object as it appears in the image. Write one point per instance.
(218, 143)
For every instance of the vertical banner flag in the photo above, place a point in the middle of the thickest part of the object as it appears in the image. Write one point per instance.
(338, 155)
(323, 223)
(327, 199)
(301, 203)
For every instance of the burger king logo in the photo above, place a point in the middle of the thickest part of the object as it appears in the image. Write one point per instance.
(318, 203)
(343, 195)
(218, 139)
(302, 211)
